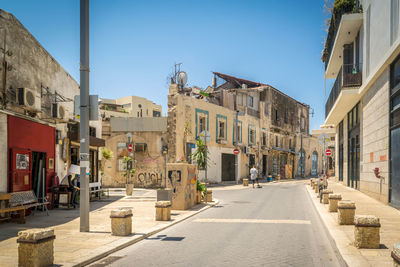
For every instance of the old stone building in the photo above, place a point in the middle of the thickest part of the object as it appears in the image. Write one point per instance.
(39, 136)
(263, 122)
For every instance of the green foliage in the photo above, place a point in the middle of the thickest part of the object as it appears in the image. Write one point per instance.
(201, 187)
(106, 153)
(201, 155)
(126, 159)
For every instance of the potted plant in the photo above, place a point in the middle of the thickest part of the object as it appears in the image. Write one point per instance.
(129, 175)
(200, 156)
(201, 190)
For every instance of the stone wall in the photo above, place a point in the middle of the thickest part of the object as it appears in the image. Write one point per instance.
(375, 139)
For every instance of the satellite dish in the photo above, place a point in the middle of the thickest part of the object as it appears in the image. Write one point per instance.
(182, 78)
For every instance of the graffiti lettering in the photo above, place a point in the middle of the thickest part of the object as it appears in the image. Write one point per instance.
(149, 179)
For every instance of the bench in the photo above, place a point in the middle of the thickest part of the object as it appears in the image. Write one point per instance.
(27, 199)
(95, 188)
(6, 210)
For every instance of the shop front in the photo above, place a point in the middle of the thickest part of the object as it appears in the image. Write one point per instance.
(31, 153)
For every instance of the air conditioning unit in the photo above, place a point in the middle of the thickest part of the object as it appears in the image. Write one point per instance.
(29, 99)
(58, 111)
(246, 150)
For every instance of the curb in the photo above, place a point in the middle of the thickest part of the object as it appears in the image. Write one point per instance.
(140, 238)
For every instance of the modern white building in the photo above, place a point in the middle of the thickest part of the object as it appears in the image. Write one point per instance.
(362, 55)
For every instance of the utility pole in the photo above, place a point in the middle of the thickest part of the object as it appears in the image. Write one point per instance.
(84, 116)
(236, 145)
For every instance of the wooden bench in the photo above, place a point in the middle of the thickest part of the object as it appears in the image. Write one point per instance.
(28, 199)
(6, 210)
(96, 188)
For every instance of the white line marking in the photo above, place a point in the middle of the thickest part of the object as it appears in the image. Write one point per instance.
(252, 221)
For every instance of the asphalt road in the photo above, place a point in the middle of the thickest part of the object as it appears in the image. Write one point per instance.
(276, 225)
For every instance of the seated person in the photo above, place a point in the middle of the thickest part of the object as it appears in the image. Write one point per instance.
(73, 188)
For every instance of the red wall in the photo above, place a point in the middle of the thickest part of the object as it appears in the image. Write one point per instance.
(25, 134)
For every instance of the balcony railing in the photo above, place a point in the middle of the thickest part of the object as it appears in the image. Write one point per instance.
(349, 76)
(353, 6)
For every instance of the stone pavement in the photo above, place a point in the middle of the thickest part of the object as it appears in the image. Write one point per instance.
(344, 234)
(73, 248)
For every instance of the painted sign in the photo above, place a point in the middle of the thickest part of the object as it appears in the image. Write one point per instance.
(328, 152)
(236, 151)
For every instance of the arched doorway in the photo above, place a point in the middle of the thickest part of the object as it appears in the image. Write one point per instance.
(314, 169)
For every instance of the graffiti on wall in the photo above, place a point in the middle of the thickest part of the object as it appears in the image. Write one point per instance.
(174, 177)
(191, 175)
(147, 178)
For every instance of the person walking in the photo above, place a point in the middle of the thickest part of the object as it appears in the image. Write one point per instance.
(253, 175)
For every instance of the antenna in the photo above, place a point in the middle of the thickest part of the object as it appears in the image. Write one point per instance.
(312, 112)
(182, 79)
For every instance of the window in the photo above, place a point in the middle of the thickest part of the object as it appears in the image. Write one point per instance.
(276, 141)
(251, 100)
(276, 115)
(286, 116)
(221, 130)
(147, 112)
(367, 39)
(239, 99)
(264, 139)
(156, 113)
(290, 143)
(302, 123)
(138, 114)
(202, 124)
(92, 131)
(252, 137)
(239, 133)
(266, 108)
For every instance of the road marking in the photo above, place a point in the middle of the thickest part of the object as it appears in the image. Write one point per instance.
(252, 221)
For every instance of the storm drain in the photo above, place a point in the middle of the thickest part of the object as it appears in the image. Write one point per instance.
(107, 261)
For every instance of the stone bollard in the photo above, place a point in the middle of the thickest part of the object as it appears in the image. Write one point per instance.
(245, 182)
(311, 182)
(163, 210)
(316, 187)
(325, 194)
(121, 222)
(209, 195)
(346, 212)
(36, 247)
(333, 202)
(396, 255)
(366, 231)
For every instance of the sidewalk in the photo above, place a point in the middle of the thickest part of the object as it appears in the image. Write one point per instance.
(73, 248)
(344, 234)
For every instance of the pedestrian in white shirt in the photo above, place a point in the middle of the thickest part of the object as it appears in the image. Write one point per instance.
(253, 175)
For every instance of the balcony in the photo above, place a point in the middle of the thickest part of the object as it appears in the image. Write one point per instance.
(344, 90)
(343, 29)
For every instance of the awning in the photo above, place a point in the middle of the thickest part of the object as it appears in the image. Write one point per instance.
(284, 150)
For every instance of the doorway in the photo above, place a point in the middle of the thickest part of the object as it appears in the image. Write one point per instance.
(264, 165)
(39, 174)
(227, 167)
(314, 169)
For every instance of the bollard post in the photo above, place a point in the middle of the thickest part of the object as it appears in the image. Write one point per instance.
(333, 202)
(121, 222)
(163, 210)
(35, 247)
(346, 212)
(366, 231)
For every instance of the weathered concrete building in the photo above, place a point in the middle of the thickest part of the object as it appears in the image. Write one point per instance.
(362, 53)
(263, 122)
(39, 138)
(147, 135)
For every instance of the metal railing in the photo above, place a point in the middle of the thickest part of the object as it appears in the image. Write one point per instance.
(350, 75)
(334, 26)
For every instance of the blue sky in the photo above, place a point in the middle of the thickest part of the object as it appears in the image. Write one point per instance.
(134, 44)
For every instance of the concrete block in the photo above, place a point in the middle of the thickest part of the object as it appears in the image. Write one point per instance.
(163, 210)
(245, 182)
(333, 202)
(121, 222)
(346, 212)
(366, 231)
(209, 195)
(36, 247)
(396, 255)
(325, 194)
(198, 196)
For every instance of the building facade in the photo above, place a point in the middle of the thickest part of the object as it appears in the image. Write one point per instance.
(265, 124)
(39, 136)
(361, 54)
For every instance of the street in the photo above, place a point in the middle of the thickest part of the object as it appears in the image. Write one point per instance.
(276, 225)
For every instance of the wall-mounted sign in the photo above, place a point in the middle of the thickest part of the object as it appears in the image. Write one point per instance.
(22, 161)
